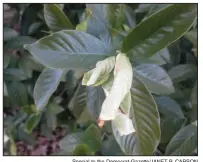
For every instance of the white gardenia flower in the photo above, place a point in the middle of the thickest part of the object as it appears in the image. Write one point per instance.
(121, 86)
(123, 124)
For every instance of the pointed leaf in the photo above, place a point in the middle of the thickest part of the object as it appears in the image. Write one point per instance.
(45, 86)
(184, 142)
(169, 107)
(17, 93)
(68, 49)
(169, 127)
(6, 60)
(182, 72)
(32, 122)
(82, 150)
(155, 78)
(160, 58)
(146, 121)
(14, 74)
(92, 137)
(55, 18)
(95, 98)
(169, 24)
(9, 33)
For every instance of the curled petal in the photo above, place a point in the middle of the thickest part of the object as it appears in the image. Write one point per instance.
(123, 124)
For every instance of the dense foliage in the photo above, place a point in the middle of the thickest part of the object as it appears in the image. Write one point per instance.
(100, 79)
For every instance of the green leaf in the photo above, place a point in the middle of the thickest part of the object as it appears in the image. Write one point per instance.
(129, 17)
(12, 147)
(32, 122)
(193, 114)
(32, 63)
(184, 142)
(14, 74)
(34, 27)
(26, 70)
(91, 137)
(18, 42)
(110, 147)
(50, 115)
(45, 86)
(95, 98)
(169, 107)
(115, 15)
(182, 72)
(68, 143)
(68, 49)
(169, 24)
(82, 149)
(9, 33)
(146, 120)
(192, 36)
(17, 93)
(96, 27)
(160, 58)
(169, 127)
(55, 18)
(155, 78)
(6, 60)
(29, 109)
(78, 102)
(100, 74)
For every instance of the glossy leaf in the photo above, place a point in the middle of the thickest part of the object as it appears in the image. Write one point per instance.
(169, 107)
(100, 73)
(93, 143)
(78, 102)
(45, 86)
(193, 113)
(96, 27)
(14, 74)
(23, 66)
(50, 115)
(160, 58)
(18, 42)
(129, 17)
(68, 49)
(95, 98)
(182, 72)
(32, 122)
(17, 93)
(55, 18)
(169, 24)
(9, 33)
(146, 120)
(169, 127)
(184, 142)
(155, 78)
(110, 147)
(82, 149)
(34, 27)
(68, 143)
(6, 60)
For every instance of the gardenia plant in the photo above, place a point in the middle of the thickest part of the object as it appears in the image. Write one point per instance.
(117, 59)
